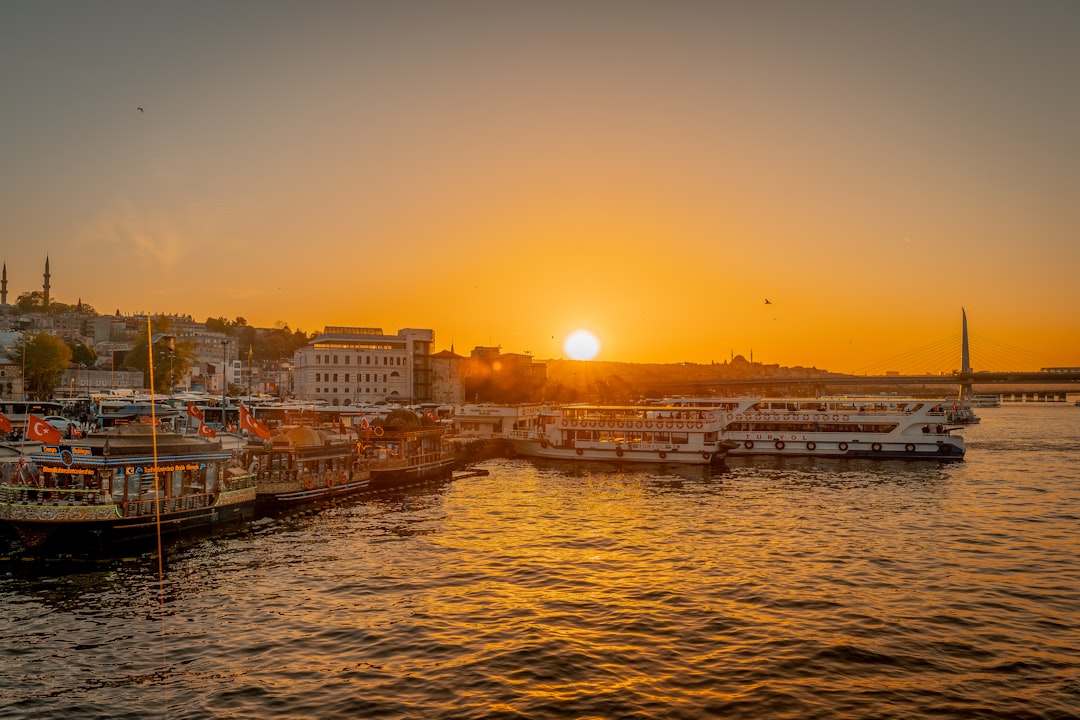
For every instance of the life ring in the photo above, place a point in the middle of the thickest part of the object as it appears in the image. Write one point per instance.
(663, 454)
(678, 426)
(309, 482)
(729, 417)
(253, 468)
(543, 443)
(909, 448)
(876, 447)
(378, 431)
(779, 444)
(579, 451)
(842, 447)
(749, 444)
(329, 480)
(845, 418)
(811, 445)
(738, 416)
(699, 426)
(565, 422)
(618, 451)
(706, 456)
(835, 418)
(342, 479)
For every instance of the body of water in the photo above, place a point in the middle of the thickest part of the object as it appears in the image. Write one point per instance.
(766, 589)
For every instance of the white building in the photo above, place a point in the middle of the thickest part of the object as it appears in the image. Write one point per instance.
(361, 366)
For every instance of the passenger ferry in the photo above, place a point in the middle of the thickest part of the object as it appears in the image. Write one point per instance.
(625, 433)
(303, 465)
(404, 448)
(844, 427)
(122, 485)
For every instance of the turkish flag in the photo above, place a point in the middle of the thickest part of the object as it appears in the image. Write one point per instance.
(5, 423)
(206, 431)
(38, 429)
(248, 422)
(194, 411)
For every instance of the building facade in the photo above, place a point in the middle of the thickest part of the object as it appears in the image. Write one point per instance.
(361, 366)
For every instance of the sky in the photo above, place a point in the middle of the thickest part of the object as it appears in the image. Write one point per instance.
(505, 173)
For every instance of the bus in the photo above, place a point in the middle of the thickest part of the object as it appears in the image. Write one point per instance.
(17, 411)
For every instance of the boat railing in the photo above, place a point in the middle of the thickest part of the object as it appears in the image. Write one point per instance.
(32, 495)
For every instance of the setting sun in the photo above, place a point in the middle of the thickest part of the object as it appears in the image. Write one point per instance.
(581, 345)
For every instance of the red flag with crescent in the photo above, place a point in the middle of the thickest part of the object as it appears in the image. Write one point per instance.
(206, 431)
(248, 422)
(38, 429)
(367, 427)
(5, 423)
(195, 411)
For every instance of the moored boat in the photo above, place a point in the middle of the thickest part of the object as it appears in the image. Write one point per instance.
(404, 448)
(844, 427)
(303, 465)
(124, 485)
(624, 433)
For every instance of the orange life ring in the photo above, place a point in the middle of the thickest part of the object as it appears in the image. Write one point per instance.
(342, 478)
(329, 480)
(309, 482)
(378, 431)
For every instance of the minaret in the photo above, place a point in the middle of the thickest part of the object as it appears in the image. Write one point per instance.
(965, 353)
(46, 298)
(3, 287)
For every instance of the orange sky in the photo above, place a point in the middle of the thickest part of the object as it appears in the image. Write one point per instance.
(505, 173)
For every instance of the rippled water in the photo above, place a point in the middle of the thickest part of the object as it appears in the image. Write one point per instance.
(769, 589)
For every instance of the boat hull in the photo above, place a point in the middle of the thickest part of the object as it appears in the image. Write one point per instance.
(102, 530)
(388, 478)
(882, 449)
(272, 500)
(540, 449)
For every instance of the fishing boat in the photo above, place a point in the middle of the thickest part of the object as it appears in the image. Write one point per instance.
(304, 465)
(404, 448)
(624, 433)
(126, 484)
(847, 427)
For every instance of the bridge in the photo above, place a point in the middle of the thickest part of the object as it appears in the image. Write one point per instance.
(1053, 384)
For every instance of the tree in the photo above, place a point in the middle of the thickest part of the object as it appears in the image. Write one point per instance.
(172, 357)
(44, 358)
(81, 354)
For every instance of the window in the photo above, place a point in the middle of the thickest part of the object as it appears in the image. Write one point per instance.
(318, 359)
(335, 377)
(346, 376)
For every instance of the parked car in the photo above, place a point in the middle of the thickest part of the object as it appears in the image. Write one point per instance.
(60, 423)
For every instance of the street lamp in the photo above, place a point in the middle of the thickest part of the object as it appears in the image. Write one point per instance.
(171, 346)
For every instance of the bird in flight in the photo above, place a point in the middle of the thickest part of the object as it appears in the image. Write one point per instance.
(768, 301)
(140, 109)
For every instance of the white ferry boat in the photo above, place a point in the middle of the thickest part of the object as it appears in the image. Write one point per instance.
(625, 433)
(846, 427)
